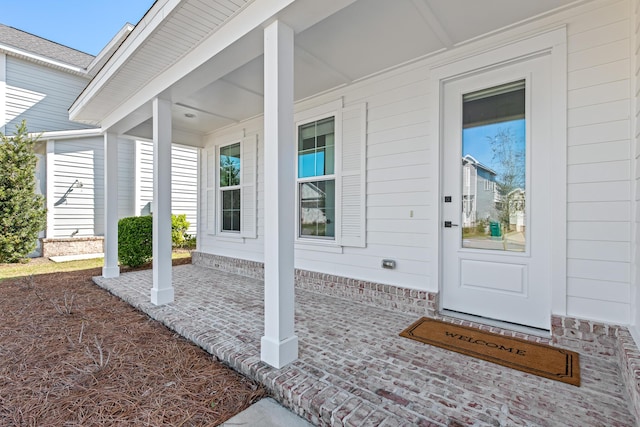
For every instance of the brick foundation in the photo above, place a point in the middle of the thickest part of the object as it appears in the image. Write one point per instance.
(377, 294)
(629, 360)
(386, 296)
(237, 266)
(72, 246)
(586, 336)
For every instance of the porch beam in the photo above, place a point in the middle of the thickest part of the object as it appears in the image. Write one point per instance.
(279, 345)
(434, 23)
(162, 291)
(110, 268)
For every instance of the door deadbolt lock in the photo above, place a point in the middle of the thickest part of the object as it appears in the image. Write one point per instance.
(448, 224)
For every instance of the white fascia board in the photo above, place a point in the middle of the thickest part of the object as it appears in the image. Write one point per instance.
(42, 59)
(110, 48)
(68, 134)
(145, 28)
(249, 19)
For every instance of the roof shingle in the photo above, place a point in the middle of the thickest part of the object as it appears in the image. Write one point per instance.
(28, 42)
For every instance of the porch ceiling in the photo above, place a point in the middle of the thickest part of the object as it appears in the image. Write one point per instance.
(337, 42)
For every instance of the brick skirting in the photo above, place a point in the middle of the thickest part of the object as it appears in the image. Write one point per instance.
(72, 246)
(377, 294)
(629, 359)
(583, 336)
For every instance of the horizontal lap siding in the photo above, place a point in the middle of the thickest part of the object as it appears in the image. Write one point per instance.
(83, 209)
(599, 191)
(145, 177)
(399, 214)
(184, 181)
(184, 184)
(41, 96)
(80, 159)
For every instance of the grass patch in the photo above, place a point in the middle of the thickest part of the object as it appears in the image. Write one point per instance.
(36, 266)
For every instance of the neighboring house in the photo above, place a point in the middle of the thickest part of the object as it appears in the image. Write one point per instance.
(358, 106)
(517, 209)
(39, 80)
(479, 192)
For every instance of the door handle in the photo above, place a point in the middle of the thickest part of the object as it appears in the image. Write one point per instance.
(448, 224)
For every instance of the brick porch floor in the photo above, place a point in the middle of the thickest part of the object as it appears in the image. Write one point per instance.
(354, 369)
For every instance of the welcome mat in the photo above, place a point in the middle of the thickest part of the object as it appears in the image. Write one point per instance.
(538, 359)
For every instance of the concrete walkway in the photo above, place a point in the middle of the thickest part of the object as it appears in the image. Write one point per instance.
(266, 413)
(354, 369)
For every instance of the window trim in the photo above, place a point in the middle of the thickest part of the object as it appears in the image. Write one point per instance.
(333, 109)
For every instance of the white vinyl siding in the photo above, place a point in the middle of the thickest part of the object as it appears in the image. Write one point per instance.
(81, 212)
(41, 96)
(184, 184)
(184, 181)
(75, 214)
(599, 164)
(386, 206)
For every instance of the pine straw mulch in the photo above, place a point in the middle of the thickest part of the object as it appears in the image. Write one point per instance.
(72, 354)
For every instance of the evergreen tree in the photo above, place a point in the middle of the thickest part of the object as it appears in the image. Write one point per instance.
(22, 211)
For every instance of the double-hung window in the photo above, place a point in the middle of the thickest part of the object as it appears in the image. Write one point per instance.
(316, 179)
(230, 188)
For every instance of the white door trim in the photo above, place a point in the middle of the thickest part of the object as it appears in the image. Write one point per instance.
(554, 43)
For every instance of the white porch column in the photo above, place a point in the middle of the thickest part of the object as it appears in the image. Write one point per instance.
(110, 268)
(162, 291)
(279, 343)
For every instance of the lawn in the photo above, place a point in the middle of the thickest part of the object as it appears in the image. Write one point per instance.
(35, 266)
(73, 354)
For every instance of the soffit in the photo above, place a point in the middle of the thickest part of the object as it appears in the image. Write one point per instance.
(337, 42)
(187, 24)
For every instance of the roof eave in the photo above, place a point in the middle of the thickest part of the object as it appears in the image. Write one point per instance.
(149, 23)
(104, 55)
(40, 59)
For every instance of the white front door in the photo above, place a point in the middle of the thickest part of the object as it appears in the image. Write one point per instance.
(496, 185)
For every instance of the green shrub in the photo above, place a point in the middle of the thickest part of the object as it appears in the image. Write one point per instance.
(135, 244)
(179, 227)
(22, 211)
(190, 242)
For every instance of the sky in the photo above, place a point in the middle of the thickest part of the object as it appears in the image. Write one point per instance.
(475, 141)
(85, 25)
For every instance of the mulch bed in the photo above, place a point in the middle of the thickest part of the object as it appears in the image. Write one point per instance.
(72, 354)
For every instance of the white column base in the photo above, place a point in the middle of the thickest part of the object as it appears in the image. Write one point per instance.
(279, 353)
(110, 272)
(161, 296)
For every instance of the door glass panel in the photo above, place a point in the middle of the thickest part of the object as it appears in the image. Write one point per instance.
(494, 168)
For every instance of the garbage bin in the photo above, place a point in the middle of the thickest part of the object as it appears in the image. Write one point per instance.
(494, 227)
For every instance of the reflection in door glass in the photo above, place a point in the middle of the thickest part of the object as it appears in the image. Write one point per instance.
(494, 168)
